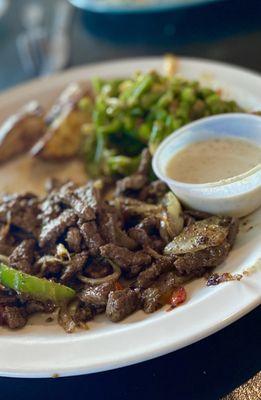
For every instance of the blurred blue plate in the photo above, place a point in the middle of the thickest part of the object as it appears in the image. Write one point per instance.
(169, 22)
(128, 6)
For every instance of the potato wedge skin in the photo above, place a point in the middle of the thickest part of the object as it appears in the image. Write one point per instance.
(20, 131)
(63, 136)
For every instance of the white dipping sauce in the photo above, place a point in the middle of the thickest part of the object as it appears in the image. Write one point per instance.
(213, 160)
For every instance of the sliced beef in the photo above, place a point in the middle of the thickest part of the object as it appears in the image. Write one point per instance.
(6, 249)
(23, 256)
(56, 227)
(122, 303)
(13, 317)
(69, 196)
(109, 223)
(111, 231)
(74, 236)
(153, 192)
(33, 306)
(131, 185)
(50, 208)
(97, 296)
(48, 266)
(130, 262)
(196, 263)
(21, 211)
(90, 195)
(91, 236)
(98, 268)
(146, 233)
(132, 208)
(83, 314)
(75, 266)
(83, 211)
(7, 240)
(147, 277)
(74, 239)
(140, 236)
(151, 300)
(158, 294)
(7, 297)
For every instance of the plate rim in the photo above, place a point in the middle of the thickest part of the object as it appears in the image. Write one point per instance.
(18, 88)
(147, 354)
(119, 9)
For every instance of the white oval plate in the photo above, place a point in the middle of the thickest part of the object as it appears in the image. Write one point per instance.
(42, 349)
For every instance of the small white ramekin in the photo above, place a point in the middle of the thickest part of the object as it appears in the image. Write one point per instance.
(237, 196)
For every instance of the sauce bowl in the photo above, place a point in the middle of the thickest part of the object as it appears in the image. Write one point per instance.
(236, 196)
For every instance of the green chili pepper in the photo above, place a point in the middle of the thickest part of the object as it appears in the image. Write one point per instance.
(37, 288)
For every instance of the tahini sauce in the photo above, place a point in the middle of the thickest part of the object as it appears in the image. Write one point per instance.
(213, 160)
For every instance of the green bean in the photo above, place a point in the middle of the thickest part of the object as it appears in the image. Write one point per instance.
(188, 95)
(143, 83)
(131, 113)
(144, 131)
(122, 165)
(157, 135)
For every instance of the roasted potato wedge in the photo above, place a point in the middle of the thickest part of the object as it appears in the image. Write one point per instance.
(65, 119)
(20, 131)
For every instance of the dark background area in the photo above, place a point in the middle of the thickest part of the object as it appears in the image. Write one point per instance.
(216, 365)
(206, 370)
(236, 41)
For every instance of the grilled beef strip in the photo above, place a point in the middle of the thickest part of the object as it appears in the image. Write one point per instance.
(133, 184)
(55, 228)
(96, 297)
(90, 194)
(23, 256)
(129, 261)
(111, 230)
(151, 274)
(21, 211)
(97, 268)
(83, 314)
(156, 295)
(74, 266)
(91, 236)
(146, 233)
(74, 239)
(153, 192)
(122, 303)
(69, 196)
(126, 232)
(7, 240)
(13, 317)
